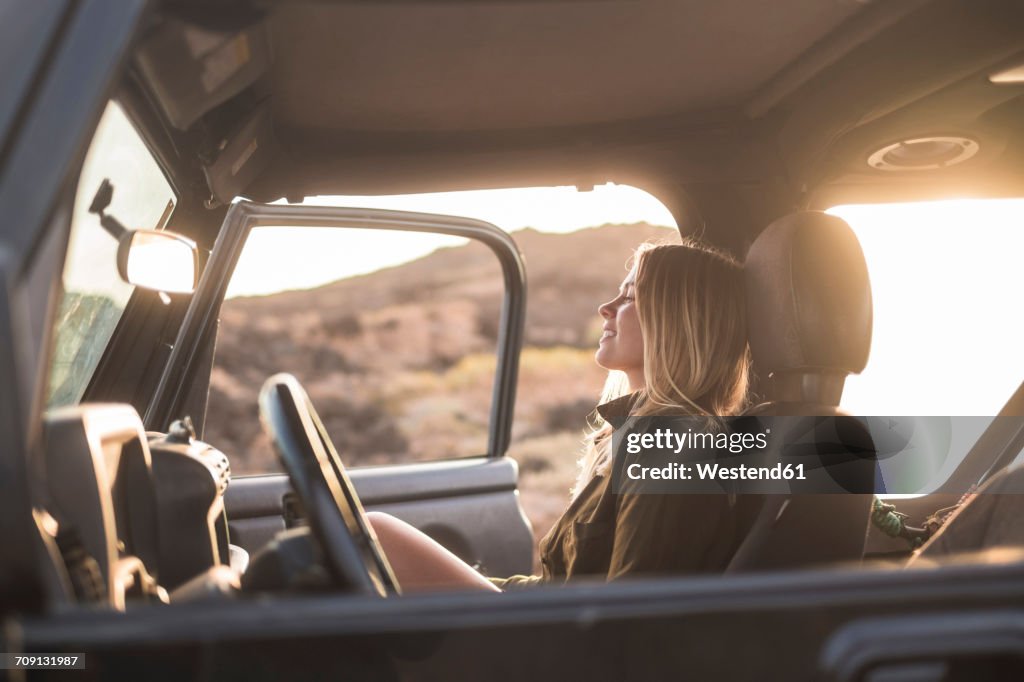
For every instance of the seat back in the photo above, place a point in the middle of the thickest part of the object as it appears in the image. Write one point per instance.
(809, 326)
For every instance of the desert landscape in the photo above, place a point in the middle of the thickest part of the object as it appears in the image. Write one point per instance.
(400, 362)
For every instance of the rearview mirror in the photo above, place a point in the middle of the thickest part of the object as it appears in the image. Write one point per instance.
(158, 260)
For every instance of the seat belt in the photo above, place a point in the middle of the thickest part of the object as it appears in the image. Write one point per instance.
(1014, 407)
(891, 522)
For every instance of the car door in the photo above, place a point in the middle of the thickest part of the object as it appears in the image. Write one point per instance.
(464, 498)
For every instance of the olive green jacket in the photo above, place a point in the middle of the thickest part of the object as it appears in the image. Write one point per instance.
(611, 535)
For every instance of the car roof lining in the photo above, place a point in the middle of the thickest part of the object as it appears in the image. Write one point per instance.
(514, 94)
(506, 66)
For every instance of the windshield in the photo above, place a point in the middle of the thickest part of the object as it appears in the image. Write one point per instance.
(94, 295)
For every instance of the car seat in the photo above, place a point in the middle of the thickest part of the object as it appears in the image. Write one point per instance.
(809, 323)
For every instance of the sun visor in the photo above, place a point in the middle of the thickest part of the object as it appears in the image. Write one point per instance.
(191, 70)
(247, 153)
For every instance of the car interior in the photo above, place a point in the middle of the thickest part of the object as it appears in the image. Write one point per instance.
(747, 120)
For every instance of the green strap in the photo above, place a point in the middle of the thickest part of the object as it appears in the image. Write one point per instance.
(892, 523)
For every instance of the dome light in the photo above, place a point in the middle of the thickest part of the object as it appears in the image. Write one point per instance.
(923, 153)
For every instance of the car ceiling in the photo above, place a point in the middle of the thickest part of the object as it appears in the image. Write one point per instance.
(457, 67)
(711, 103)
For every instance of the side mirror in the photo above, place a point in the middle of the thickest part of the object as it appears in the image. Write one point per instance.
(158, 260)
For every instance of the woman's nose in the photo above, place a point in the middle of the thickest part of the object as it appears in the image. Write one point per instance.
(606, 310)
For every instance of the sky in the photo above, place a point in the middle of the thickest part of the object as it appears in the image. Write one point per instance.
(139, 199)
(327, 255)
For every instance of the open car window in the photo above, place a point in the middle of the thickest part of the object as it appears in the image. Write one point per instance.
(94, 295)
(946, 285)
(945, 350)
(393, 333)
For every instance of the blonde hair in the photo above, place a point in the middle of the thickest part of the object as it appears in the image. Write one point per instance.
(691, 306)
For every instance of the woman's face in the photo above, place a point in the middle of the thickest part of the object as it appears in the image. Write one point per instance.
(622, 345)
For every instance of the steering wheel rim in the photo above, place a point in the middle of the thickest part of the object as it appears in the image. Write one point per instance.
(336, 518)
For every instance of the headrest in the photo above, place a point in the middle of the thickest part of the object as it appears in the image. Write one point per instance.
(808, 297)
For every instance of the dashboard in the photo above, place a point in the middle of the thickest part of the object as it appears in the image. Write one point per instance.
(133, 516)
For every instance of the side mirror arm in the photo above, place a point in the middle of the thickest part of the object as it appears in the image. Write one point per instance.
(99, 205)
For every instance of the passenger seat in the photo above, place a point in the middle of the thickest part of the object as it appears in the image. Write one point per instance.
(809, 323)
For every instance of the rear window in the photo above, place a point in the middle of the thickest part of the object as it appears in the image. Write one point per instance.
(946, 280)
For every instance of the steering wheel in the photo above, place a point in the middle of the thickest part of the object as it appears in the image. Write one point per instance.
(336, 518)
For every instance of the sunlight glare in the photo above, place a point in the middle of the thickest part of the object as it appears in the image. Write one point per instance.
(946, 280)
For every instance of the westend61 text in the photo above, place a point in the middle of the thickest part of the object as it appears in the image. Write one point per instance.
(716, 472)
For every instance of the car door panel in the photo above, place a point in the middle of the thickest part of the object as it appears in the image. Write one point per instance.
(463, 504)
(826, 624)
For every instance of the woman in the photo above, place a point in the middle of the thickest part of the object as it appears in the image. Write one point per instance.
(674, 342)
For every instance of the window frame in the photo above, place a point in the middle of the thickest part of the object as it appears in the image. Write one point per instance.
(198, 330)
